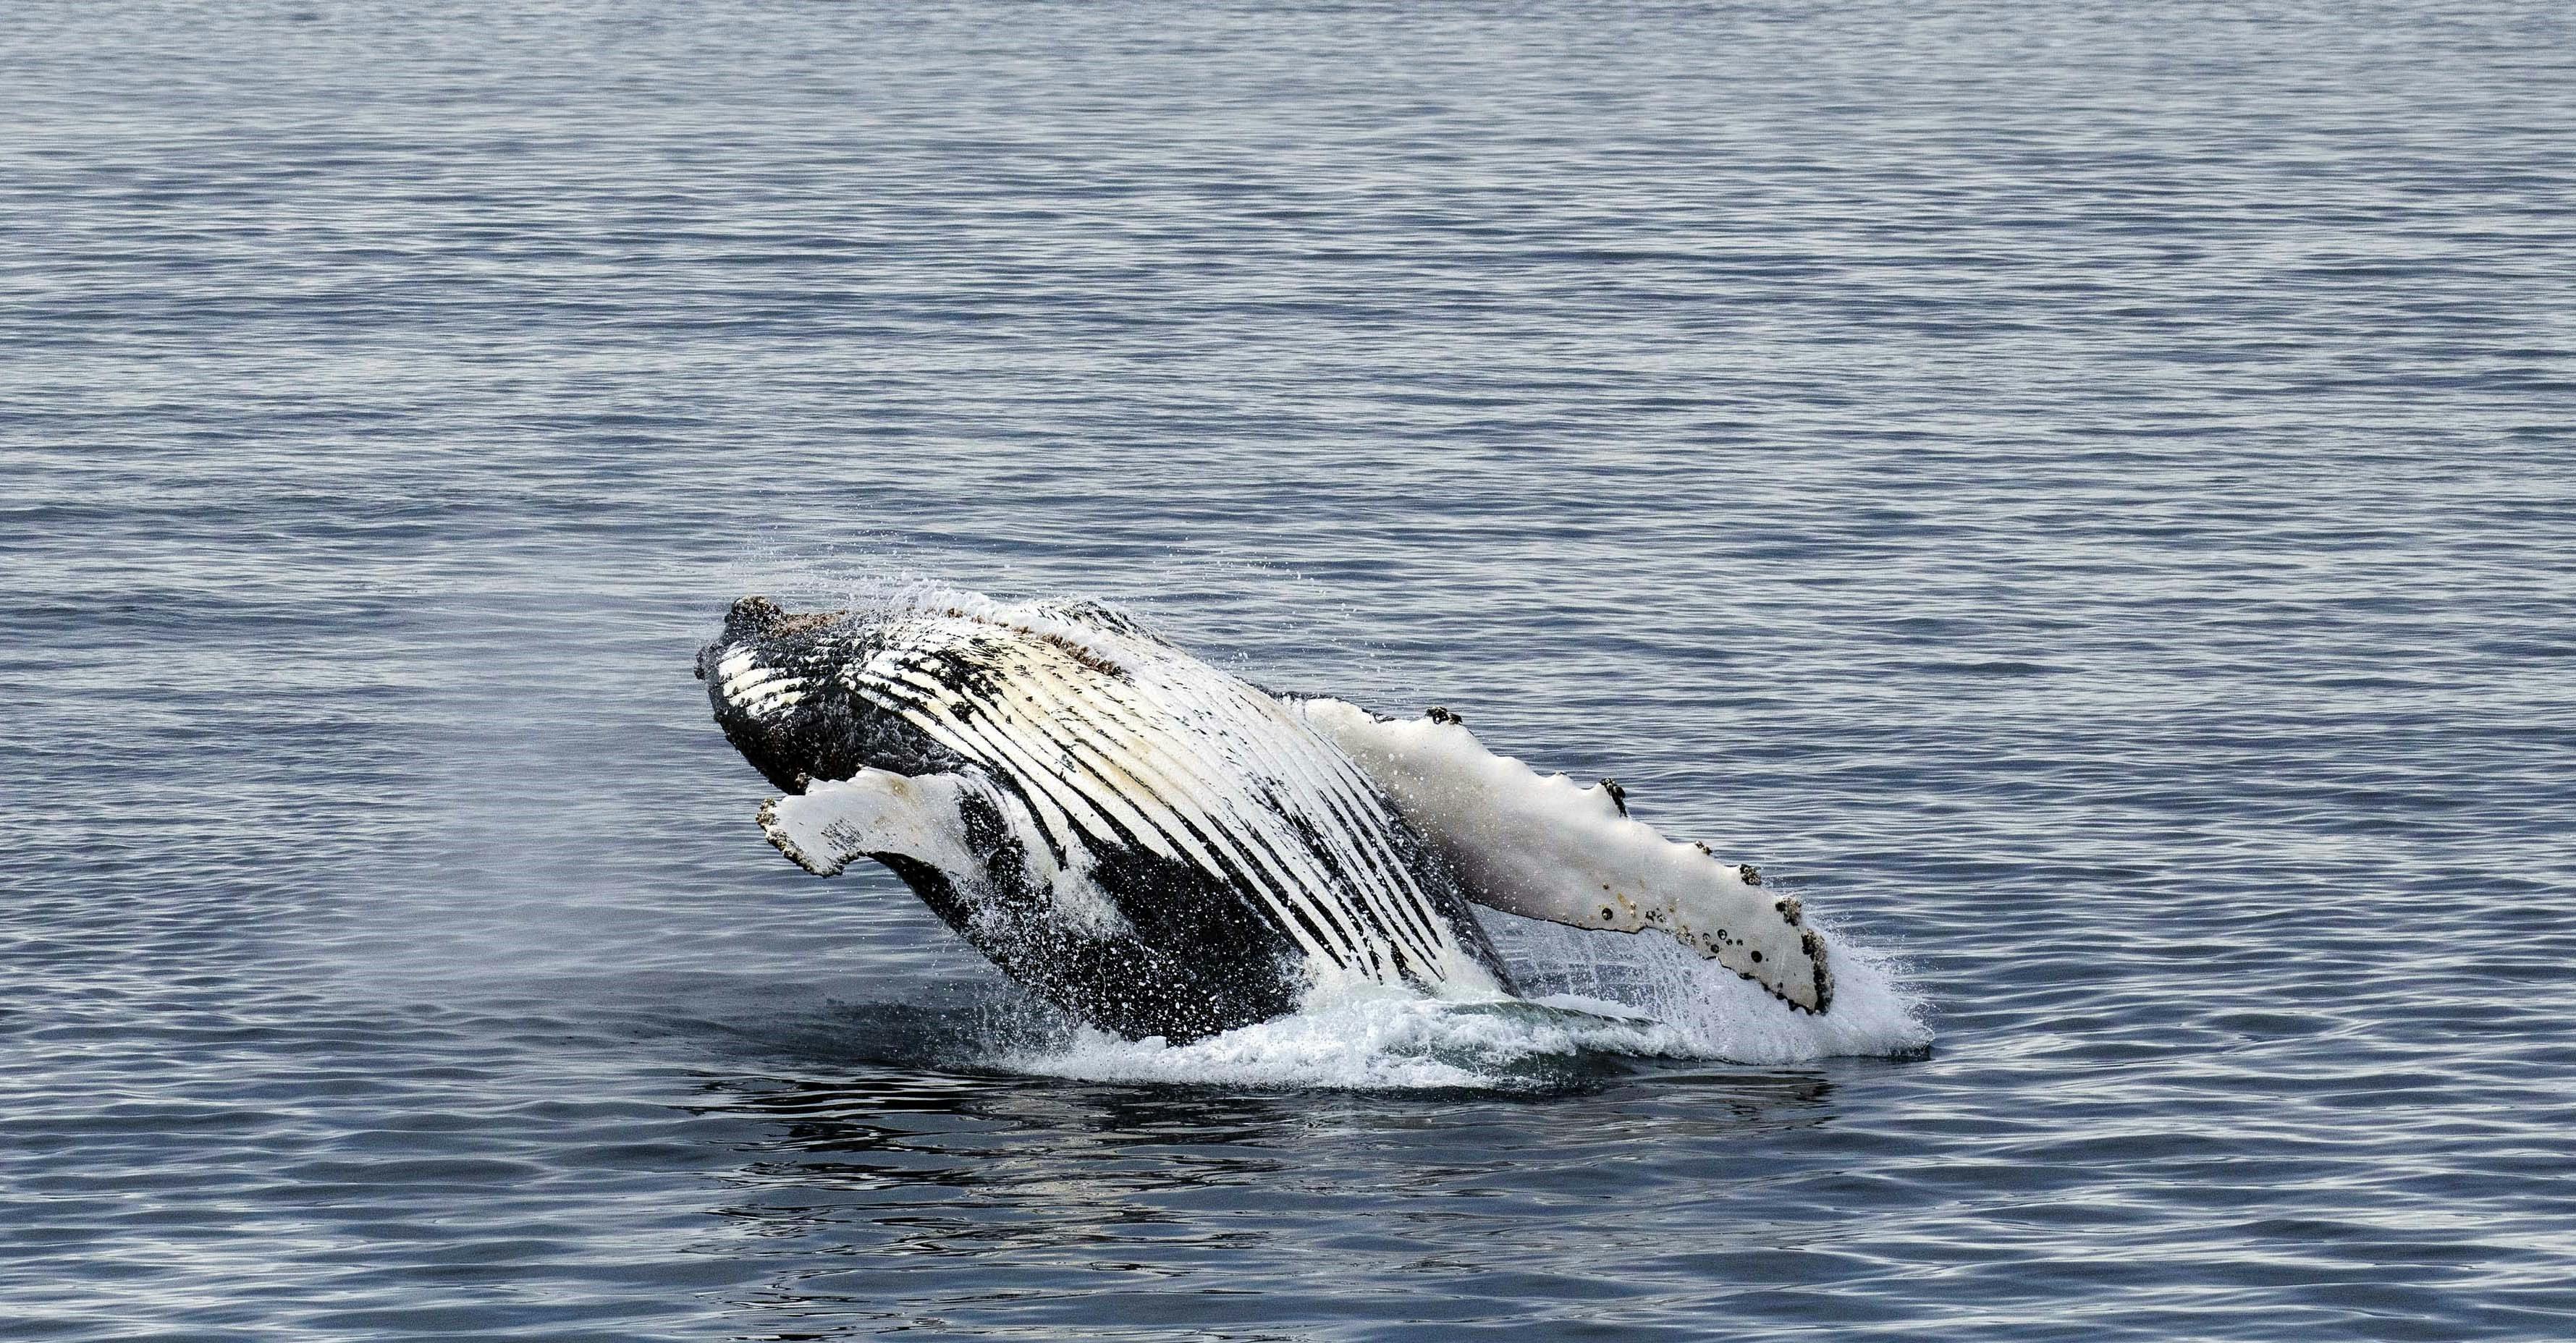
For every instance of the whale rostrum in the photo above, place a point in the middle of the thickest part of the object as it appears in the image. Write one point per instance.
(1161, 848)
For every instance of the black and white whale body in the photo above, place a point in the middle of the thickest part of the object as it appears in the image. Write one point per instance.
(1160, 848)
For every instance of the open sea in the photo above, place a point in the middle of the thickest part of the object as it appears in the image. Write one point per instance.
(2083, 494)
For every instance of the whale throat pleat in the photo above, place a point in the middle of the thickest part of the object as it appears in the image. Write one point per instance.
(1123, 760)
(1159, 752)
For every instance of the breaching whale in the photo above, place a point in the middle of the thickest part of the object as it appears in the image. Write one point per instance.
(1160, 848)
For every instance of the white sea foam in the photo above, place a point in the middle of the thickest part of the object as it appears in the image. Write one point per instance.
(1721, 1015)
(1372, 1041)
(1615, 996)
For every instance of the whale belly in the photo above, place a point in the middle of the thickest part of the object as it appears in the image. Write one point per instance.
(1164, 847)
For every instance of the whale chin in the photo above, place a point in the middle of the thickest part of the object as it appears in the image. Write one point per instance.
(770, 679)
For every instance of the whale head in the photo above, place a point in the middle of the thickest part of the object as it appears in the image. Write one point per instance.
(775, 680)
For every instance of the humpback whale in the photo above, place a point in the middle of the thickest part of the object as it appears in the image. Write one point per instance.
(1163, 849)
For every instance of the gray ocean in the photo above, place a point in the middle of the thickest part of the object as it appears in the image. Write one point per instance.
(2084, 495)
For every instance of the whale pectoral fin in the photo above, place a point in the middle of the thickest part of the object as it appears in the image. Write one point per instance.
(1623, 877)
(873, 812)
(1544, 848)
(1710, 908)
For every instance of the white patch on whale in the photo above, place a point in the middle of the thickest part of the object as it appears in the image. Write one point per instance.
(880, 812)
(874, 811)
(755, 689)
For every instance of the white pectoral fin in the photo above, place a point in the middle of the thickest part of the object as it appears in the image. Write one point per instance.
(1542, 847)
(1712, 909)
(873, 812)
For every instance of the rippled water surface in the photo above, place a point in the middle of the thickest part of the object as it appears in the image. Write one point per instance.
(2083, 494)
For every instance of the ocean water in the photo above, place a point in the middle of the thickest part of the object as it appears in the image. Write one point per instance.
(2082, 494)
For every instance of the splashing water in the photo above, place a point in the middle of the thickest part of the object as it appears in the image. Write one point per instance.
(1375, 1042)
(1597, 998)
(1719, 1015)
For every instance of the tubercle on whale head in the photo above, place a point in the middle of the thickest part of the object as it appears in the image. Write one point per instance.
(774, 680)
